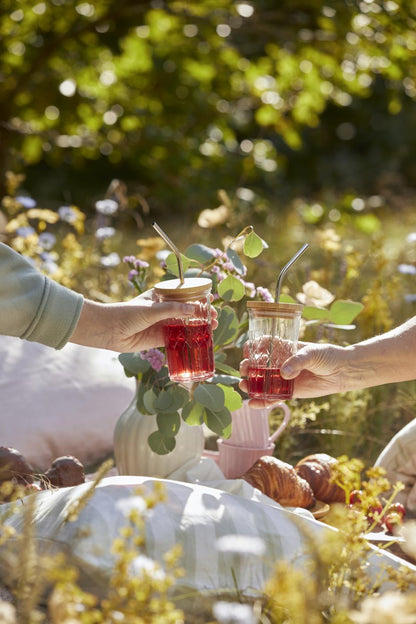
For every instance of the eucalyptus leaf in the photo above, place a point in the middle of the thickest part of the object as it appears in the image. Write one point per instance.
(168, 424)
(236, 261)
(149, 400)
(210, 396)
(343, 312)
(166, 401)
(200, 253)
(141, 391)
(286, 298)
(227, 380)
(227, 329)
(226, 368)
(219, 421)
(172, 263)
(231, 289)
(160, 444)
(254, 245)
(193, 413)
(315, 313)
(133, 364)
(233, 400)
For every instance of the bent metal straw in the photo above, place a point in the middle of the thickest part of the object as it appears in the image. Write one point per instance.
(173, 247)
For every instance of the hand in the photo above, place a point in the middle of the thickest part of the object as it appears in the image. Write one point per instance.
(318, 370)
(136, 325)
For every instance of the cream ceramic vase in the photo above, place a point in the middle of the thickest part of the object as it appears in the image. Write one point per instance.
(133, 455)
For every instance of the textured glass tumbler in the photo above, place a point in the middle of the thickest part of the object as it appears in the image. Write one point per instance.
(188, 341)
(273, 337)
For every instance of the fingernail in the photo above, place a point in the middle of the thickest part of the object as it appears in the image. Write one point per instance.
(286, 371)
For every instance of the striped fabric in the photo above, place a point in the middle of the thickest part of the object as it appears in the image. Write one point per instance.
(193, 515)
(398, 458)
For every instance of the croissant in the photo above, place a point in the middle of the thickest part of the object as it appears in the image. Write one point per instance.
(279, 481)
(316, 470)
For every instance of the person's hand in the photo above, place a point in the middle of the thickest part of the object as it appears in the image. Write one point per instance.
(318, 370)
(136, 325)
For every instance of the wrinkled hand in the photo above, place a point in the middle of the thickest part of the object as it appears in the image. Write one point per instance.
(136, 325)
(318, 370)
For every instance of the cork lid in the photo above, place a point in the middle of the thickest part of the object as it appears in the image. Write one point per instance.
(192, 287)
(270, 307)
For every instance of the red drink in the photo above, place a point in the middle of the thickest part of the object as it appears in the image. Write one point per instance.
(266, 383)
(189, 350)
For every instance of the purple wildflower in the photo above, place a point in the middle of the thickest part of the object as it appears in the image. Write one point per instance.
(155, 357)
(26, 201)
(25, 231)
(47, 240)
(67, 214)
(264, 294)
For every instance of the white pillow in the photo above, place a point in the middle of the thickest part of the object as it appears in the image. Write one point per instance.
(65, 402)
(192, 515)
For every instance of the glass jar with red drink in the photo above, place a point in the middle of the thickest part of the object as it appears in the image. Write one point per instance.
(273, 337)
(189, 341)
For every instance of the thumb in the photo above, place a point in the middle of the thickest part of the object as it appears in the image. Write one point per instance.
(295, 364)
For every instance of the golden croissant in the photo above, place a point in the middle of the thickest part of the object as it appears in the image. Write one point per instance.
(316, 470)
(279, 481)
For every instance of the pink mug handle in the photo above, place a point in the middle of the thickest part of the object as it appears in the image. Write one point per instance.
(284, 423)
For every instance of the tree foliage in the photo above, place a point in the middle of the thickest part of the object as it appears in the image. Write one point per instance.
(185, 97)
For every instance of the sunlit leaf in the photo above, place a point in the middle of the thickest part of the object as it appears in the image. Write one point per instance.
(231, 289)
(193, 413)
(344, 312)
(254, 245)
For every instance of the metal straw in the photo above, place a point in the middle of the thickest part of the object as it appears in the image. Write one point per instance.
(286, 268)
(173, 247)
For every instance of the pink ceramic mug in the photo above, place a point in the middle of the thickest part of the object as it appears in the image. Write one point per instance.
(234, 461)
(250, 427)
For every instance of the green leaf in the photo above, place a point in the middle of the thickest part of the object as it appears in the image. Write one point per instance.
(231, 289)
(254, 245)
(149, 400)
(200, 253)
(227, 329)
(193, 413)
(210, 396)
(133, 364)
(170, 399)
(226, 368)
(172, 264)
(168, 424)
(141, 391)
(236, 261)
(160, 444)
(233, 400)
(315, 313)
(286, 299)
(227, 380)
(219, 421)
(343, 312)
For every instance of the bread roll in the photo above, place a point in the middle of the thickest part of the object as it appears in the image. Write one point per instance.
(279, 481)
(316, 470)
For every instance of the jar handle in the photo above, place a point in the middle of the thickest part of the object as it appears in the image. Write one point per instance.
(285, 422)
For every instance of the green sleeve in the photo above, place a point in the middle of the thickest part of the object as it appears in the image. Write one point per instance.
(33, 306)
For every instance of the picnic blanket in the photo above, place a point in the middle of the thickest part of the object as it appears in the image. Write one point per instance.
(196, 516)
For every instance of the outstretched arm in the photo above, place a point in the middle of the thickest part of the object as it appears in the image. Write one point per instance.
(322, 369)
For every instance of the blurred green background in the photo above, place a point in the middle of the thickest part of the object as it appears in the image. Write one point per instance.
(297, 117)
